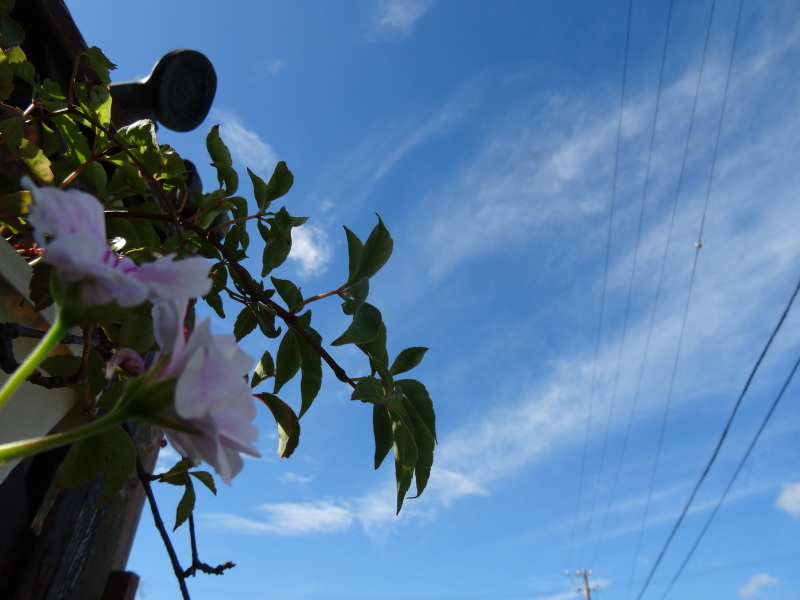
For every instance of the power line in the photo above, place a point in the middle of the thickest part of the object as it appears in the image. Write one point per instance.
(733, 478)
(698, 245)
(633, 269)
(660, 281)
(724, 435)
(605, 281)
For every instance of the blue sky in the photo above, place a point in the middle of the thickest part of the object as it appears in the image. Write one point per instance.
(485, 135)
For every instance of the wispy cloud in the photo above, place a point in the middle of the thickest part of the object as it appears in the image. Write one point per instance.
(755, 583)
(541, 182)
(285, 519)
(269, 68)
(789, 499)
(290, 477)
(246, 146)
(398, 16)
(311, 249)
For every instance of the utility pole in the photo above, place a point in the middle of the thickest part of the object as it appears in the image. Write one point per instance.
(584, 575)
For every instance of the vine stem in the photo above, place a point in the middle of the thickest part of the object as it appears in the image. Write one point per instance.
(29, 447)
(144, 478)
(35, 358)
(253, 288)
(300, 306)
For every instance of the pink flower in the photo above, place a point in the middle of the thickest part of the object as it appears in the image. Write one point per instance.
(212, 397)
(70, 226)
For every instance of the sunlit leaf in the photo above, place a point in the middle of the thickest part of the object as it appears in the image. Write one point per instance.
(217, 149)
(100, 64)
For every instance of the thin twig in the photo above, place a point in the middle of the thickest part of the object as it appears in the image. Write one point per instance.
(176, 566)
(255, 291)
(197, 564)
(300, 306)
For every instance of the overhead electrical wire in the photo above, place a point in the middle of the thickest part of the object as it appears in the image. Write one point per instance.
(646, 352)
(605, 282)
(633, 271)
(733, 477)
(680, 343)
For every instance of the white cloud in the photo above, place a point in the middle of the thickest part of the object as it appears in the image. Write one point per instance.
(285, 519)
(399, 16)
(246, 146)
(269, 68)
(789, 499)
(311, 249)
(294, 478)
(755, 582)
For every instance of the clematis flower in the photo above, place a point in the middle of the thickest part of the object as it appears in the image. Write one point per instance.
(70, 226)
(212, 398)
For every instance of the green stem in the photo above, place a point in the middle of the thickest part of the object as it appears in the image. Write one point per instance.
(42, 351)
(32, 446)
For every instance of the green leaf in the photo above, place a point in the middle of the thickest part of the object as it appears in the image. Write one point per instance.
(288, 360)
(40, 293)
(287, 421)
(111, 453)
(266, 322)
(67, 365)
(383, 371)
(238, 206)
(228, 176)
(279, 184)
(206, 478)
(288, 292)
(354, 249)
(36, 161)
(276, 251)
(376, 251)
(141, 140)
(405, 457)
(119, 462)
(419, 397)
(426, 443)
(217, 149)
(214, 300)
(356, 296)
(376, 349)
(364, 328)
(178, 474)
(245, 323)
(369, 389)
(136, 332)
(264, 369)
(11, 34)
(382, 430)
(311, 365)
(186, 505)
(407, 360)
(283, 221)
(100, 64)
